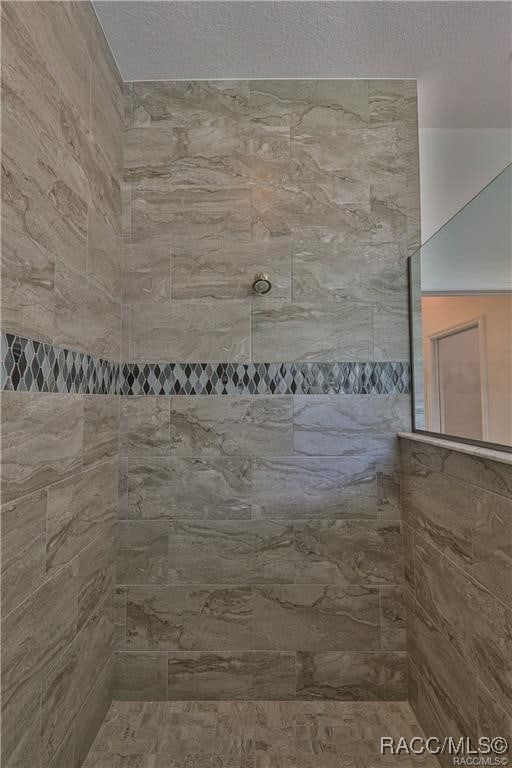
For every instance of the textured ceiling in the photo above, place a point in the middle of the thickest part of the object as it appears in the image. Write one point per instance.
(459, 51)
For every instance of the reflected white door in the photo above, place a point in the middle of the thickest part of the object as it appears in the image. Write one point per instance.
(460, 390)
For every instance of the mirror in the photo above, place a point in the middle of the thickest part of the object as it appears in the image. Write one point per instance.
(461, 322)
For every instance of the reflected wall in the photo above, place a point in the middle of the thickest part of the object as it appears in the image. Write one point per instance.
(461, 322)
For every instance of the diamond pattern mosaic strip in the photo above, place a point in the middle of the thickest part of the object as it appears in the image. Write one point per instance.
(32, 366)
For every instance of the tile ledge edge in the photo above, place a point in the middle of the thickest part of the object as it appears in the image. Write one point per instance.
(472, 450)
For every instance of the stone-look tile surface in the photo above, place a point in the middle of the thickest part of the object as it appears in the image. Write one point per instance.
(188, 332)
(316, 618)
(41, 440)
(61, 282)
(79, 510)
(360, 676)
(314, 487)
(202, 489)
(311, 332)
(231, 426)
(345, 552)
(145, 426)
(252, 551)
(262, 734)
(189, 618)
(220, 270)
(61, 154)
(459, 617)
(313, 182)
(23, 548)
(358, 425)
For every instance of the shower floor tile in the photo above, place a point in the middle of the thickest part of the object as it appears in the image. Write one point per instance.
(261, 734)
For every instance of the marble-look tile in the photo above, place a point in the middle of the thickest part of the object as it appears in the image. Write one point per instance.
(65, 754)
(186, 102)
(309, 213)
(101, 429)
(86, 317)
(119, 607)
(29, 119)
(189, 618)
(445, 676)
(145, 426)
(251, 552)
(96, 566)
(391, 333)
(311, 332)
(408, 545)
(190, 332)
(492, 545)
(277, 102)
(493, 720)
(345, 552)
(201, 489)
(80, 509)
(140, 676)
(49, 451)
(231, 426)
(372, 274)
(316, 618)
(146, 271)
(92, 713)
(26, 654)
(463, 611)
(442, 509)
(391, 101)
(326, 149)
(314, 487)
(487, 474)
(392, 619)
(23, 540)
(222, 270)
(160, 210)
(389, 503)
(21, 725)
(231, 676)
(103, 254)
(358, 425)
(354, 676)
(142, 552)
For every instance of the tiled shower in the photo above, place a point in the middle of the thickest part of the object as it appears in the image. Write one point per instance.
(202, 492)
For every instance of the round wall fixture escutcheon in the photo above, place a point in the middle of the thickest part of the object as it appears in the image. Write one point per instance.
(261, 284)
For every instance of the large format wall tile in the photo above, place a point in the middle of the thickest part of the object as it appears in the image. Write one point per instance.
(190, 332)
(61, 283)
(23, 544)
(316, 618)
(255, 551)
(189, 618)
(41, 440)
(145, 426)
(354, 426)
(352, 676)
(311, 332)
(459, 618)
(344, 552)
(215, 489)
(241, 426)
(314, 487)
(231, 675)
(80, 509)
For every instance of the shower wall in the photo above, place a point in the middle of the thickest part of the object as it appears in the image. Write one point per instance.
(457, 512)
(259, 548)
(61, 284)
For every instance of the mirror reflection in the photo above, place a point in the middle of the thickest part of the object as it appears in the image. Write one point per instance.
(461, 321)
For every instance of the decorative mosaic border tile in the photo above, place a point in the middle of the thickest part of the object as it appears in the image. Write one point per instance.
(36, 366)
(31, 366)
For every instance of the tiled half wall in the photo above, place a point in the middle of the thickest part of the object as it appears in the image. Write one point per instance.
(259, 547)
(457, 514)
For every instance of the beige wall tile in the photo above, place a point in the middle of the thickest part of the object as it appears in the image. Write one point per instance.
(47, 452)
